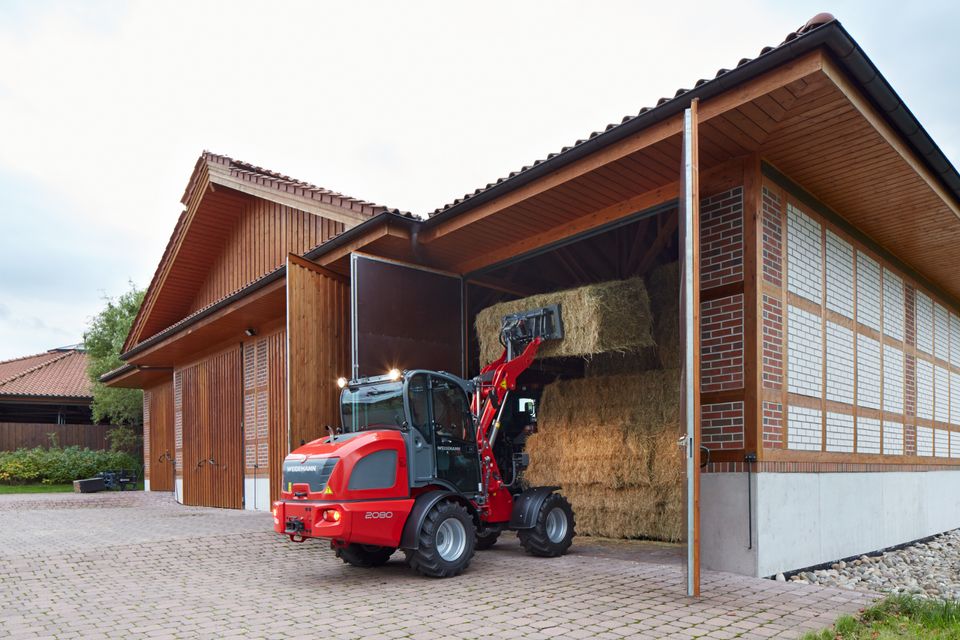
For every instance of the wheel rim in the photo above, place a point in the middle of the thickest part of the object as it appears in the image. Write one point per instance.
(451, 539)
(556, 525)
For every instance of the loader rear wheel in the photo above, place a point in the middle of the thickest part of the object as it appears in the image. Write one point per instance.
(487, 538)
(446, 542)
(553, 534)
(364, 555)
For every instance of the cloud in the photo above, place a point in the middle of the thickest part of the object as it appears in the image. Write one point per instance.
(105, 106)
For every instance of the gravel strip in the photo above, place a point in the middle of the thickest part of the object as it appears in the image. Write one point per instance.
(929, 569)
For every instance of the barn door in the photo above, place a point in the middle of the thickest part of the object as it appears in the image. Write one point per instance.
(317, 348)
(690, 338)
(213, 431)
(158, 446)
(404, 317)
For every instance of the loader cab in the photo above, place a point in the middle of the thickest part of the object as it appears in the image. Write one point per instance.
(432, 410)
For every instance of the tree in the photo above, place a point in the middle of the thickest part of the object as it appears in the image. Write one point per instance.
(103, 342)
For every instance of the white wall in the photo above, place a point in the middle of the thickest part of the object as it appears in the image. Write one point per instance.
(723, 523)
(178, 485)
(146, 484)
(256, 494)
(806, 519)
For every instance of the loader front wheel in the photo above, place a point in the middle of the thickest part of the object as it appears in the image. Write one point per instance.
(553, 534)
(364, 555)
(446, 542)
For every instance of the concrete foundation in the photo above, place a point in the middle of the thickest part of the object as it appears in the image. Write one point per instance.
(806, 519)
(146, 484)
(256, 494)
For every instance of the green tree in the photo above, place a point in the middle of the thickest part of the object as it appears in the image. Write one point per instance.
(103, 342)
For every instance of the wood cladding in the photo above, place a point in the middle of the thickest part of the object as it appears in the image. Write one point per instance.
(265, 408)
(158, 443)
(263, 233)
(211, 409)
(21, 435)
(318, 305)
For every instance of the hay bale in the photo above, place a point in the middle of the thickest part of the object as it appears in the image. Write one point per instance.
(615, 364)
(597, 318)
(611, 443)
(663, 287)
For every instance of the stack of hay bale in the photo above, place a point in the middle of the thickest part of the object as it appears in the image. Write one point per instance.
(609, 439)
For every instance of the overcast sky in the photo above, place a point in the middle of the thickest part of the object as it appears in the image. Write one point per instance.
(105, 106)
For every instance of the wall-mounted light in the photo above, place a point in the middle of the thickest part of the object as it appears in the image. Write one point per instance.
(251, 332)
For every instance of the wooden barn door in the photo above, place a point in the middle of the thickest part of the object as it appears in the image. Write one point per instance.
(213, 431)
(318, 303)
(158, 445)
(264, 417)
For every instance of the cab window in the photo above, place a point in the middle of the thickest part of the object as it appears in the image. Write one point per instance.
(419, 396)
(451, 411)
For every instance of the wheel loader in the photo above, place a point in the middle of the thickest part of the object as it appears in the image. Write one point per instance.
(429, 463)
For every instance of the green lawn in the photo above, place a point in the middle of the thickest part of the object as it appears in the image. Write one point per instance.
(35, 488)
(898, 617)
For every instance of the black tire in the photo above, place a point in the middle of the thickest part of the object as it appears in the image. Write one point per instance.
(550, 538)
(442, 530)
(486, 538)
(363, 555)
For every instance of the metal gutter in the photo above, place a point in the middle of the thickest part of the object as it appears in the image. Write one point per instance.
(831, 35)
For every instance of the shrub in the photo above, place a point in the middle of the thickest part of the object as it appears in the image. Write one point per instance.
(58, 466)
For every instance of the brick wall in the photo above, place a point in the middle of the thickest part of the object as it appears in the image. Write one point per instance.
(857, 357)
(721, 238)
(721, 344)
(722, 425)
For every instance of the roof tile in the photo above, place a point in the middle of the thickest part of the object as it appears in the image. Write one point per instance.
(57, 373)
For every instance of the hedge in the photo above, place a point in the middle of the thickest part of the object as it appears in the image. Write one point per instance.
(59, 465)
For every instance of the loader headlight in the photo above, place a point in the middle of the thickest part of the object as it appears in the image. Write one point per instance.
(341, 382)
(393, 374)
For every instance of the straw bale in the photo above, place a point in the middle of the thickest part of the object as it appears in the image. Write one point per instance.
(597, 318)
(611, 443)
(663, 288)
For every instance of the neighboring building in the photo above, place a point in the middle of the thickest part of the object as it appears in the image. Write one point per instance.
(47, 393)
(830, 323)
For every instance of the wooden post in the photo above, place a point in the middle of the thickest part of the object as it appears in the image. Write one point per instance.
(690, 332)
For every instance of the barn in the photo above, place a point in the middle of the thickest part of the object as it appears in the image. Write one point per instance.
(814, 222)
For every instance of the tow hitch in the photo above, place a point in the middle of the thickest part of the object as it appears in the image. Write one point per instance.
(295, 528)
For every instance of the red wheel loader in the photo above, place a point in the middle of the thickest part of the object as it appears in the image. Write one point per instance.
(429, 463)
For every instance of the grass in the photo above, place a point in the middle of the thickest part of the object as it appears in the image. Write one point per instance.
(35, 488)
(6, 489)
(897, 617)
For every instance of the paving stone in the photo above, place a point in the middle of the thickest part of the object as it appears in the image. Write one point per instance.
(139, 565)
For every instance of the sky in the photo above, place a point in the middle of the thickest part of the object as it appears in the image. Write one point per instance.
(105, 107)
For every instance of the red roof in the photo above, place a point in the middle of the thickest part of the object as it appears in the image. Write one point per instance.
(60, 373)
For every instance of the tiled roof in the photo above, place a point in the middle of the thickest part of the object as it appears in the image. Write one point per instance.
(60, 373)
(267, 178)
(818, 20)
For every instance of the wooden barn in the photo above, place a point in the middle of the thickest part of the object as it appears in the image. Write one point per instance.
(815, 222)
(46, 398)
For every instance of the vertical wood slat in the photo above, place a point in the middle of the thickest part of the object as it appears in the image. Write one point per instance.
(212, 406)
(25, 435)
(317, 335)
(263, 235)
(158, 436)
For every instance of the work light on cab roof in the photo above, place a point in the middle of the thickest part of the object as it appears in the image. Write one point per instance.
(417, 465)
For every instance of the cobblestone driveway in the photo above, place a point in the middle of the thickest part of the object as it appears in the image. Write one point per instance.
(138, 565)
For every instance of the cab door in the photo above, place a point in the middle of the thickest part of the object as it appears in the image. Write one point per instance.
(454, 435)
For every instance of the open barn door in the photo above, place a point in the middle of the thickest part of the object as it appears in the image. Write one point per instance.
(317, 350)
(689, 215)
(404, 317)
